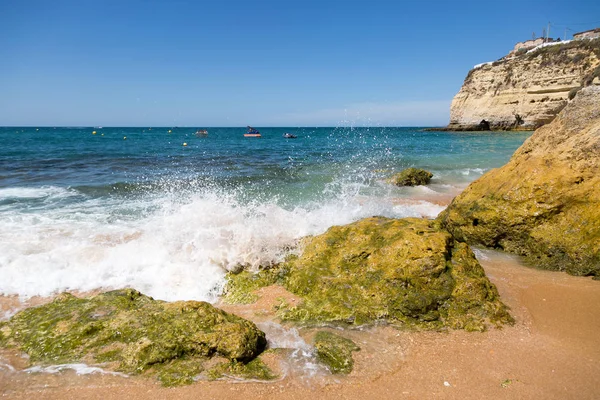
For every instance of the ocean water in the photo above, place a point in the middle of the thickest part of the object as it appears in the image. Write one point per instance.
(135, 207)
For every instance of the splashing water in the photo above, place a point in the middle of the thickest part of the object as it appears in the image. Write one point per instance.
(82, 212)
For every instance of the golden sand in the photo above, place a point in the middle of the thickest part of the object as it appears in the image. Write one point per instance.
(552, 352)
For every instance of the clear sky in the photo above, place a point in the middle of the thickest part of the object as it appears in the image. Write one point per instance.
(262, 63)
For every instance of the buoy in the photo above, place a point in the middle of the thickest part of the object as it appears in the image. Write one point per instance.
(102, 134)
(93, 133)
(124, 137)
(185, 144)
(169, 131)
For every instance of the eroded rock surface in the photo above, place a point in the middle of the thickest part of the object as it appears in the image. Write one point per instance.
(133, 333)
(525, 91)
(406, 272)
(545, 203)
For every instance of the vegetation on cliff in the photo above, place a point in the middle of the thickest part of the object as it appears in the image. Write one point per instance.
(406, 272)
(545, 203)
(133, 333)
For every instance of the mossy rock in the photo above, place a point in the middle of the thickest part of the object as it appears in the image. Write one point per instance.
(255, 369)
(544, 204)
(407, 272)
(335, 352)
(240, 286)
(133, 333)
(411, 177)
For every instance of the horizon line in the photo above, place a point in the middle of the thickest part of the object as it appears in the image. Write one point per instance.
(216, 126)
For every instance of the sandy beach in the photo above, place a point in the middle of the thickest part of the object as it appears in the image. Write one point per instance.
(552, 352)
(406, 193)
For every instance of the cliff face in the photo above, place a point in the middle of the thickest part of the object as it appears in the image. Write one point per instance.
(525, 91)
(545, 203)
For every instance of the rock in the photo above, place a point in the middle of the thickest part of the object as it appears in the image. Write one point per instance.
(133, 333)
(525, 91)
(545, 203)
(411, 177)
(405, 272)
(335, 352)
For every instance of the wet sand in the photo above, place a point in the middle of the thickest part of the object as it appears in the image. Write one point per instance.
(552, 352)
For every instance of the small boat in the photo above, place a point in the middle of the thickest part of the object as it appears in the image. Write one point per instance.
(289, 135)
(252, 132)
(201, 132)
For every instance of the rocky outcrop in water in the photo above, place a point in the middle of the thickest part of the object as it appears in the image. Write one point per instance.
(527, 90)
(411, 177)
(133, 333)
(545, 203)
(405, 272)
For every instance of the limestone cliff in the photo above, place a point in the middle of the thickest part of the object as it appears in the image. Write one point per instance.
(545, 203)
(526, 90)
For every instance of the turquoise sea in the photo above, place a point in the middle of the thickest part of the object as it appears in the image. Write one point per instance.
(136, 207)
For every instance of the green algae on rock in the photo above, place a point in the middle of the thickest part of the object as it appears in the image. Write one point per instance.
(411, 177)
(132, 333)
(240, 286)
(402, 271)
(255, 369)
(335, 352)
(544, 204)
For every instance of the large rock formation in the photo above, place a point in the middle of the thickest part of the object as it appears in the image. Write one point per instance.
(545, 203)
(527, 90)
(133, 333)
(401, 271)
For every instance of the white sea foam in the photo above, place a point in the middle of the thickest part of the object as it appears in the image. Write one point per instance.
(424, 189)
(9, 313)
(302, 363)
(469, 171)
(166, 247)
(419, 209)
(7, 367)
(80, 369)
(34, 193)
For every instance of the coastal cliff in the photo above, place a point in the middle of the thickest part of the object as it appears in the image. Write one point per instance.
(526, 89)
(545, 203)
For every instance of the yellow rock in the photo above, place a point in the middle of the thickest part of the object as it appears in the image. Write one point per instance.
(545, 203)
(406, 272)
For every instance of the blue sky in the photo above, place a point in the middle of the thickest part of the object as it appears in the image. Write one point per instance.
(262, 63)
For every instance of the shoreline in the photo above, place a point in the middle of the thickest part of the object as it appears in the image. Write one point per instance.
(552, 352)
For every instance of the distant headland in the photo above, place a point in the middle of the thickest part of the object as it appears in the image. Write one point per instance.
(529, 86)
